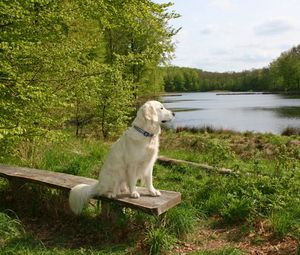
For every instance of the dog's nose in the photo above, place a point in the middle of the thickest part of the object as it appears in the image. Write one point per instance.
(173, 113)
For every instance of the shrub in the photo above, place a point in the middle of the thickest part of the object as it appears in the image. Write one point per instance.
(237, 210)
(289, 131)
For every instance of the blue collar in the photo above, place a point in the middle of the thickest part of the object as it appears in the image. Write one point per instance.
(143, 132)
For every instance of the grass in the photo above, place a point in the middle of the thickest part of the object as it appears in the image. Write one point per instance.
(158, 241)
(225, 251)
(10, 228)
(256, 207)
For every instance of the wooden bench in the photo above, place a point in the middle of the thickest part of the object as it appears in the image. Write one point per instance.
(146, 203)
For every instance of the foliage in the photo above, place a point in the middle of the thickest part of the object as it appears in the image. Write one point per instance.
(80, 62)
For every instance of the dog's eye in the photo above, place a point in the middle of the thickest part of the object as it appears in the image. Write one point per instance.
(161, 108)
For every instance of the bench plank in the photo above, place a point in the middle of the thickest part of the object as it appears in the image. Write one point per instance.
(146, 203)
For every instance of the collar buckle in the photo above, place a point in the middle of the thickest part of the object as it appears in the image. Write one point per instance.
(143, 132)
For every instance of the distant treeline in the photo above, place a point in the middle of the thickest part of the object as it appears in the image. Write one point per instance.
(283, 74)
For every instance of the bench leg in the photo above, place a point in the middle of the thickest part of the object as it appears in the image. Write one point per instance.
(110, 212)
(16, 185)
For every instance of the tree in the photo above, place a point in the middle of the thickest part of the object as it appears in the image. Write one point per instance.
(81, 61)
(26, 28)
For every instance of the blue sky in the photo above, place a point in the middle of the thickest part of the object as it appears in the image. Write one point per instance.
(234, 35)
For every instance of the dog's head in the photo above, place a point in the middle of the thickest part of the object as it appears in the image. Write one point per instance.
(155, 111)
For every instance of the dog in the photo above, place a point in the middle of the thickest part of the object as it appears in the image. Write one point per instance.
(130, 159)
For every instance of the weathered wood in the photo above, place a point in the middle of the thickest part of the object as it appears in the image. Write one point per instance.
(146, 203)
(220, 170)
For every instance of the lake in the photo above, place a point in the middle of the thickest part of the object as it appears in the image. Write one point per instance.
(240, 112)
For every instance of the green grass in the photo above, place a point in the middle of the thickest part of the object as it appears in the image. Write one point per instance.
(225, 251)
(10, 228)
(158, 240)
(71, 155)
(270, 193)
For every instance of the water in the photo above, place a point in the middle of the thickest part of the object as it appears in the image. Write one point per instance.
(253, 112)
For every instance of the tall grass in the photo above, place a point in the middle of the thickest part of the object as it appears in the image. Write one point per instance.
(10, 228)
(158, 241)
(71, 155)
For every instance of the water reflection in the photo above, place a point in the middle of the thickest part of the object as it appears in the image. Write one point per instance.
(289, 112)
(258, 113)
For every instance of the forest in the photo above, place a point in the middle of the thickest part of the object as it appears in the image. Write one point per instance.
(76, 62)
(281, 75)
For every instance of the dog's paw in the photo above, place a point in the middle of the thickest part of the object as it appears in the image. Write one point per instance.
(155, 193)
(135, 194)
(111, 195)
(124, 190)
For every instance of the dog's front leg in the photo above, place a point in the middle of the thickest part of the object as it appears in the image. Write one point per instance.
(132, 179)
(149, 184)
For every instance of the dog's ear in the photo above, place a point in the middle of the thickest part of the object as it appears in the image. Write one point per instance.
(149, 112)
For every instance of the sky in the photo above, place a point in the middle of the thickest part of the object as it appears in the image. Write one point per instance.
(234, 35)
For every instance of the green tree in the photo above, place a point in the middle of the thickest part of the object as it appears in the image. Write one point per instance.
(26, 28)
(84, 61)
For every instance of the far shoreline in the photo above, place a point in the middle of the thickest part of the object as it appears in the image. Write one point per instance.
(232, 93)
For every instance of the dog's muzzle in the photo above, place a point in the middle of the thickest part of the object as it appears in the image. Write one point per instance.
(173, 114)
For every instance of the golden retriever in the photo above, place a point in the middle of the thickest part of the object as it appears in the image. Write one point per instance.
(131, 158)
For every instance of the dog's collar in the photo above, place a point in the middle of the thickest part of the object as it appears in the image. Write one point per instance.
(143, 132)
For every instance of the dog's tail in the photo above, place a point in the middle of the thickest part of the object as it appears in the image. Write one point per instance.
(80, 195)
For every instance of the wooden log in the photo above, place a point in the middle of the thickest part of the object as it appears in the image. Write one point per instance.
(146, 203)
(171, 161)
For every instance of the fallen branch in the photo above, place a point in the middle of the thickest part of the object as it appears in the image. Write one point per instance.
(171, 161)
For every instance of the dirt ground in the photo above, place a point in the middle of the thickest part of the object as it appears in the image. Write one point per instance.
(257, 242)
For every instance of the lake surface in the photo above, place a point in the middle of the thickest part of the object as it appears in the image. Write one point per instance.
(250, 112)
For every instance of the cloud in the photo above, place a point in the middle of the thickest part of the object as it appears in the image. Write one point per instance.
(274, 27)
(207, 30)
(221, 51)
(251, 58)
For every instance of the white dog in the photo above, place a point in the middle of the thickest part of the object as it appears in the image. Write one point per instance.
(131, 159)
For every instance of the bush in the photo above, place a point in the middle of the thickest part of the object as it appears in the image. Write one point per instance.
(237, 210)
